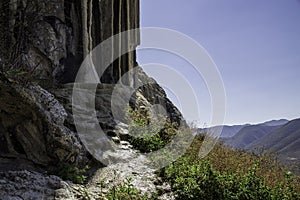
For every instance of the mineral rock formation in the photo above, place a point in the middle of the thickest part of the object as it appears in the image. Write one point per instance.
(42, 46)
(32, 127)
(53, 37)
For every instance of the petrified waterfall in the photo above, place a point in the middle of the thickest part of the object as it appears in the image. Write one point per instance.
(44, 43)
(42, 46)
(52, 37)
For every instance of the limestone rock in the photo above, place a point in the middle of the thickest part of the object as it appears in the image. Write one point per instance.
(151, 94)
(32, 185)
(52, 37)
(32, 127)
(116, 139)
(49, 40)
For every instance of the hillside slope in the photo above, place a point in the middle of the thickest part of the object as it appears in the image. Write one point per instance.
(285, 140)
(249, 134)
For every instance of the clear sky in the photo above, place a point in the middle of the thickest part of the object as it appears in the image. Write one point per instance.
(255, 45)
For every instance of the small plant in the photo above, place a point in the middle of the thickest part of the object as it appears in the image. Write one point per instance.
(102, 185)
(150, 134)
(126, 191)
(14, 75)
(72, 173)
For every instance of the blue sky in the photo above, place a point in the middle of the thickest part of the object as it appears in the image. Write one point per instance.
(255, 45)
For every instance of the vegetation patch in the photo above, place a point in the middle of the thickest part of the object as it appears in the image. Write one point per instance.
(229, 174)
(126, 191)
(147, 134)
(72, 173)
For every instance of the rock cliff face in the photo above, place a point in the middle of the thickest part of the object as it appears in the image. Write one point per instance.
(53, 37)
(32, 127)
(42, 45)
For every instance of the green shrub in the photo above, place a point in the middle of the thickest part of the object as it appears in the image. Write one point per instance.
(213, 178)
(126, 191)
(72, 173)
(150, 135)
(225, 174)
(199, 180)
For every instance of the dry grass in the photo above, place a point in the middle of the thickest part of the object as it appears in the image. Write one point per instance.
(227, 159)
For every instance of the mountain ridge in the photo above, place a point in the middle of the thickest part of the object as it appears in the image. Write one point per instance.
(231, 130)
(279, 136)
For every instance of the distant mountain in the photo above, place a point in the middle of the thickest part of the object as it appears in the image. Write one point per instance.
(281, 136)
(250, 134)
(227, 131)
(284, 140)
(230, 131)
(278, 122)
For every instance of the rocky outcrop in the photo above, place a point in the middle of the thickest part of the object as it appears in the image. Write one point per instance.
(42, 45)
(33, 185)
(131, 166)
(155, 94)
(38, 130)
(119, 96)
(18, 185)
(32, 127)
(51, 38)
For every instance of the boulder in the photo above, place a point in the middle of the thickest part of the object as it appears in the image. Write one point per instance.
(32, 127)
(18, 185)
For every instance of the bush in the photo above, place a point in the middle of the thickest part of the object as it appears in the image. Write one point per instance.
(199, 180)
(72, 173)
(148, 136)
(212, 178)
(126, 191)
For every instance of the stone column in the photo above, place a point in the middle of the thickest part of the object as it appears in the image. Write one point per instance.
(63, 32)
(124, 16)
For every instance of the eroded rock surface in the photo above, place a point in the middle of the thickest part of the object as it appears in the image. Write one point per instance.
(133, 169)
(19, 185)
(52, 37)
(48, 40)
(32, 127)
(49, 136)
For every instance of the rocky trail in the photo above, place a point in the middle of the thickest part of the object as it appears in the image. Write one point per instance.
(17, 185)
(135, 171)
(128, 165)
